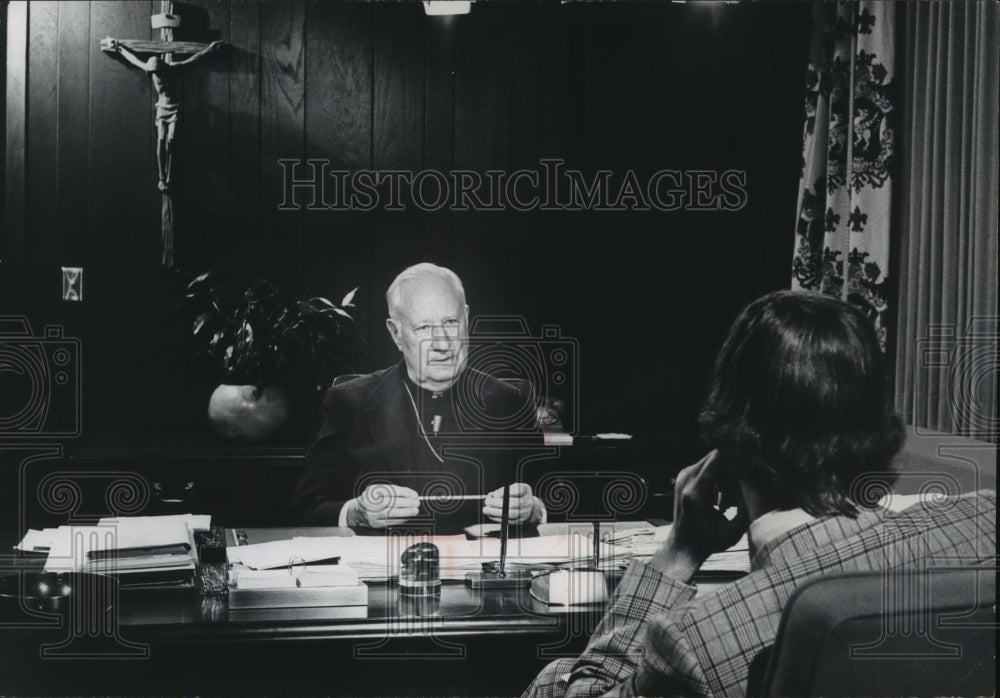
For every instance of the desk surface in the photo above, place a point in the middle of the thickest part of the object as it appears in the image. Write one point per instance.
(191, 617)
(195, 644)
(458, 611)
(466, 643)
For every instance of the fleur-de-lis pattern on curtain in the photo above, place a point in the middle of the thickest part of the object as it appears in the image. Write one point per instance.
(845, 190)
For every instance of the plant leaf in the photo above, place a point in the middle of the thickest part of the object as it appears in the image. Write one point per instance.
(200, 279)
(260, 333)
(201, 321)
(348, 301)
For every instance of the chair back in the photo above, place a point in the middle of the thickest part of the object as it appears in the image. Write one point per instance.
(895, 633)
(345, 378)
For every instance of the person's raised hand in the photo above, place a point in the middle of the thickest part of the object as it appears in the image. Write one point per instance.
(382, 504)
(702, 493)
(522, 504)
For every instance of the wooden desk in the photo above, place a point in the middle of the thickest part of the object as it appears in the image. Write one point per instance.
(195, 644)
(464, 643)
(459, 612)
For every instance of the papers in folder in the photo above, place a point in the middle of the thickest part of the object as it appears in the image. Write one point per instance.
(139, 547)
(129, 531)
(377, 558)
(644, 542)
(328, 586)
(284, 553)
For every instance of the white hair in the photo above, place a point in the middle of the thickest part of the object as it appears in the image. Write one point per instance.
(418, 272)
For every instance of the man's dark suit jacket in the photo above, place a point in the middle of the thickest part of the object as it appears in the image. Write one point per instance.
(371, 434)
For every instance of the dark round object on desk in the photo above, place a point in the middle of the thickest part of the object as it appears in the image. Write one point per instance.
(55, 592)
(420, 570)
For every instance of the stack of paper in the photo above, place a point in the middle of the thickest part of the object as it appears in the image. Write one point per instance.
(377, 558)
(142, 551)
(296, 587)
(644, 542)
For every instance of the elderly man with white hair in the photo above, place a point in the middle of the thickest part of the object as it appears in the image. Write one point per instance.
(418, 440)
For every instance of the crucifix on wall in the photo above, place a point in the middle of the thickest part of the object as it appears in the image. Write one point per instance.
(162, 67)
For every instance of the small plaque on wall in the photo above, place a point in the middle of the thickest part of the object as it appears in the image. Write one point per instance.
(72, 283)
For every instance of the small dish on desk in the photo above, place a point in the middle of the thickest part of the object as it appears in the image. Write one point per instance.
(52, 592)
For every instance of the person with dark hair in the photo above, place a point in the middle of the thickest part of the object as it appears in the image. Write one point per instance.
(799, 402)
(799, 423)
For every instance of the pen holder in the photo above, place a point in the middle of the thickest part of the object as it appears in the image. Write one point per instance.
(420, 570)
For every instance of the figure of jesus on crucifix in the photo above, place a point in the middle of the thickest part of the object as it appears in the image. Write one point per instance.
(161, 71)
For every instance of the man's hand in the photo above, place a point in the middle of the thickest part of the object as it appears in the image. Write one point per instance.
(381, 505)
(522, 504)
(702, 493)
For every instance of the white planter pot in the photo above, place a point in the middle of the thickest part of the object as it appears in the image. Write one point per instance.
(240, 413)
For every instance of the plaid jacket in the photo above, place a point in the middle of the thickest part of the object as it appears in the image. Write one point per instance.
(657, 639)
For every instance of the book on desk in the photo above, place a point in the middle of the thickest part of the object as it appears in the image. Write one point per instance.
(300, 578)
(297, 587)
(141, 553)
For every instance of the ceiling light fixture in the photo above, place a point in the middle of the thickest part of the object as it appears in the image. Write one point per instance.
(447, 7)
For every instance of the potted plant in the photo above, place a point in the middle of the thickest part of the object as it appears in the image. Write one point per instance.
(261, 340)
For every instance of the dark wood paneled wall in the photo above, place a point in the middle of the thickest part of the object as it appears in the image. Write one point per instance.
(369, 85)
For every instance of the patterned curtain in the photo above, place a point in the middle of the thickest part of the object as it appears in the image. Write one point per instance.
(845, 191)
